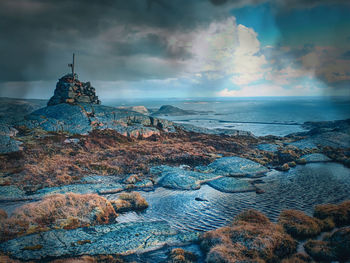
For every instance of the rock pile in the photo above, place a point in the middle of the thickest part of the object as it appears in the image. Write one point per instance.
(70, 90)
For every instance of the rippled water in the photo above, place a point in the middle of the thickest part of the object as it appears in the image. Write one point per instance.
(301, 188)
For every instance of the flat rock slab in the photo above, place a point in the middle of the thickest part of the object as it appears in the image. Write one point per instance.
(231, 185)
(123, 238)
(179, 178)
(269, 147)
(304, 144)
(234, 166)
(315, 158)
(80, 189)
(8, 192)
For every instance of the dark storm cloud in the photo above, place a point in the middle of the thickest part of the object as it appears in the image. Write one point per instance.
(38, 36)
(346, 55)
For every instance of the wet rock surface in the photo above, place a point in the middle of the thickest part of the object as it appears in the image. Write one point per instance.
(180, 178)
(120, 238)
(231, 185)
(235, 166)
(315, 157)
(268, 147)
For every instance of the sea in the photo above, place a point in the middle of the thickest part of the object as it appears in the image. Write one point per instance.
(261, 115)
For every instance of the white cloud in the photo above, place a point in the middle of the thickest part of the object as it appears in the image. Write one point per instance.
(226, 49)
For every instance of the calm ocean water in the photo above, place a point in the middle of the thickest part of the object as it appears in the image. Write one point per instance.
(262, 116)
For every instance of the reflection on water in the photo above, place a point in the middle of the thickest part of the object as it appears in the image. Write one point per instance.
(301, 188)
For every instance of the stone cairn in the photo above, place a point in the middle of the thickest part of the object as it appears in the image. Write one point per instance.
(70, 90)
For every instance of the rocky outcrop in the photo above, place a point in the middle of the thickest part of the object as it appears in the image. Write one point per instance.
(83, 118)
(120, 238)
(139, 109)
(173, 111)
(70, 90)
(7, 143)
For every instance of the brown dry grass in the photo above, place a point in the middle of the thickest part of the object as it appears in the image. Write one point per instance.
(58, 211)
(339, 214)
(298, 258)
(320, 250)
(299, 225)
(3, 214)
(250, 237)
(48, 161)
(129, 201)
(179, 255)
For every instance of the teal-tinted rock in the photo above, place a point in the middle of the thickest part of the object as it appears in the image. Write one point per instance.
(234, 166)
(179, 181)
(268, 147)
(8, 192)
(315, 158)
(80, 189)
(8, 145)
(304, 144)
(231, 185)
(83, 118)
(179, 178)
(120, 238)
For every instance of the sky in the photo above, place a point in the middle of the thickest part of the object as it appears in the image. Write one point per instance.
(177, 48)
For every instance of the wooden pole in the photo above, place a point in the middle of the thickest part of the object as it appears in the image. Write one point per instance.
(73, 66)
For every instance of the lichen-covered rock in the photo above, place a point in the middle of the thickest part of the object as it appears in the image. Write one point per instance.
(234, 166)
(139, 109)
(304, 144)
(83, 118)
(7, 143)
(315, 157)
(121, 238)
(268, 147)
(179, 178)
(10, 191)
(231, 185)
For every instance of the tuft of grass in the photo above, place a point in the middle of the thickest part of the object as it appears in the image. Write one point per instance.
(339, 214)
(129, 201)
(179, 255)
(251, 237)
(67, 211)
(299, 225)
